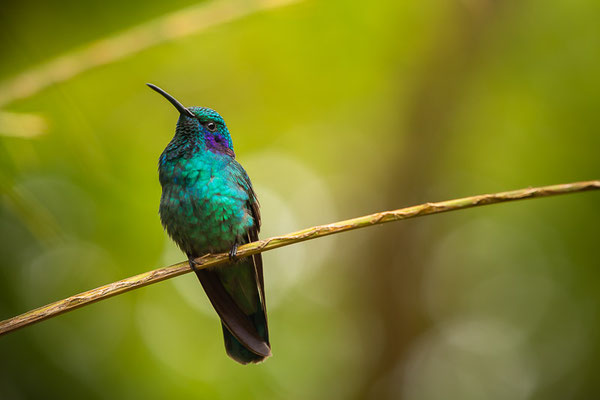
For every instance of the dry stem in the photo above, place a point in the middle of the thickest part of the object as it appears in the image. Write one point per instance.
(157, 275)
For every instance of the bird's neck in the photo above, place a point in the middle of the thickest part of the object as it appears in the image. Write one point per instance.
(183, 158)
(181, 148)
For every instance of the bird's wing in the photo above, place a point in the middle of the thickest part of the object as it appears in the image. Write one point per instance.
(258, 264)
(253, 207)
(237, 291)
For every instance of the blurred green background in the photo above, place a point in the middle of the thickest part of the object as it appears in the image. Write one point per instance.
(337, 109)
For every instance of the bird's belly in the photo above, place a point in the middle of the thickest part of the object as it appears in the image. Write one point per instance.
(206, 217)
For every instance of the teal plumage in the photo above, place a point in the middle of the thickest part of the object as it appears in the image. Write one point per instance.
(203, 205)
(208, 205)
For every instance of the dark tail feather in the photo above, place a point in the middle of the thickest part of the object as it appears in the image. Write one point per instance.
(237, 350)
(237, 295)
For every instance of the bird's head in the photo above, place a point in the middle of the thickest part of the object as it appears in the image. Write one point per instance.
(200, 125)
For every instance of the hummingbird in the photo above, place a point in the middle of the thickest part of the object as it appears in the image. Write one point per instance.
(208, 205)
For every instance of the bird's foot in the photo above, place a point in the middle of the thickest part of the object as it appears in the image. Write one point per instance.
(233, 253)
(193, 263)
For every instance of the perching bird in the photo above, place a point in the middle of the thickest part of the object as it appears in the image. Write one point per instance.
(208, 205)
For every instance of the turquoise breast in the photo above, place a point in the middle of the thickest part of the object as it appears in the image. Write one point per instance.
(202, 207)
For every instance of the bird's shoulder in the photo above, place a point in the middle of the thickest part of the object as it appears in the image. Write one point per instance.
(243, 180)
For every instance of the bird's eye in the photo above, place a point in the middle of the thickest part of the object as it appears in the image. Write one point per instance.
(211, 126)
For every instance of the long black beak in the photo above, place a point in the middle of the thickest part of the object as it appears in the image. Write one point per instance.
(182, 110)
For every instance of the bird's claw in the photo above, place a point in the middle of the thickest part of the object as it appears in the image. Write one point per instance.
(193, 263)
(233, 253)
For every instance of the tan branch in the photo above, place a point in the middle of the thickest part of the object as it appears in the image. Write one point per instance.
(157, 275)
